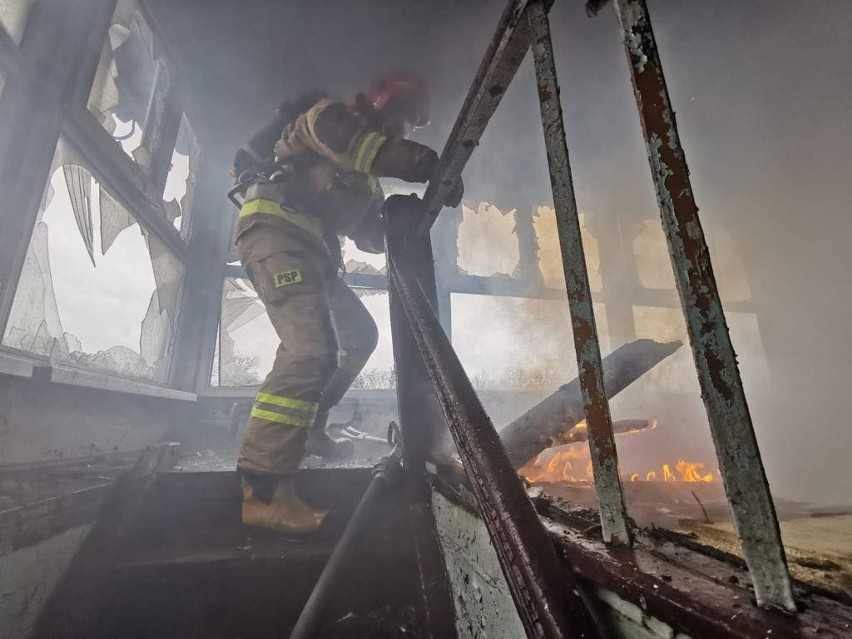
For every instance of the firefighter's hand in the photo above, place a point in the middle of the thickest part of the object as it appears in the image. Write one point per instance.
(454, 195)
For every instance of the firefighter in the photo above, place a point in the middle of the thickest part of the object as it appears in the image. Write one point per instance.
(325, 186)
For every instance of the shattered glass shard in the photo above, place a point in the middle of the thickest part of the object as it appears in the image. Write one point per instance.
(240, 304)
(79, 184)
(168, 273)
(179, 191)
(125, 301)
(156, 332)
(34, 319)
(114, 219)
(13, 17)
(357, 266)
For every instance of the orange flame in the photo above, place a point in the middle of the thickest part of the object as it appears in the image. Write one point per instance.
(689, 471)
(554, 465)
(572, 464)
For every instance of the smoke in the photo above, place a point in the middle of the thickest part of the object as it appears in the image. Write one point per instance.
(763, 116)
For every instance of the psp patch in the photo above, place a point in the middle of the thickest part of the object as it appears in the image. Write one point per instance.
(287, 278)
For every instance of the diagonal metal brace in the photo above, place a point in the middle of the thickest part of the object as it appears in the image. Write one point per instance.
(507, 49)
(715, 360)
(542, 591)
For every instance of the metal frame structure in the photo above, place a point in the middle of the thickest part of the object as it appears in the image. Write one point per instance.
(42, 101)
(525, 24)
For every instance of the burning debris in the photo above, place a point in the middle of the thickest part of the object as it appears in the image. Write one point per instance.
(569, 463)
(555, 420)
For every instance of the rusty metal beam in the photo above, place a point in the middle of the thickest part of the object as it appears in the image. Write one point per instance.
(604, 456)
(420, 418)
(721, 387)
(542, 591)
(505, 53)
(682, 588)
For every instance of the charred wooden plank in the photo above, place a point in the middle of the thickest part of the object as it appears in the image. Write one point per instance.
(550, 422)
(579, 433)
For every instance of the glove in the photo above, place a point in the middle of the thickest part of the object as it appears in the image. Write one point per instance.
(454, 195)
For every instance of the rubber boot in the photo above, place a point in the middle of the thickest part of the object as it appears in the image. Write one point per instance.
(285, 512)
(321, 444)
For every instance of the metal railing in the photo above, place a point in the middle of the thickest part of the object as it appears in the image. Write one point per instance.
(524, 554)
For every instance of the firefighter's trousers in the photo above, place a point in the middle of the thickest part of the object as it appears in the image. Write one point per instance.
(326, 336)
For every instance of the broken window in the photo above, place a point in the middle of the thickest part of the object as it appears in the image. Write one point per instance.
(358, 261)
(13, 17)
(729, 267)
(675, 373)
(751, 357)
(96, 291)
(516, 343)
(550, 254)
(129, 93)
(651, 252)
(654, 266)
(180, 182)
(378, 371)
(487, 244)
(247, 342)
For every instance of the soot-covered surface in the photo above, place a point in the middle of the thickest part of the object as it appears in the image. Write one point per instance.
(191, 569)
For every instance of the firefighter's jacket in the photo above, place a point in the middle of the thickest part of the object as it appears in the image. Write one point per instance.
(335, 152)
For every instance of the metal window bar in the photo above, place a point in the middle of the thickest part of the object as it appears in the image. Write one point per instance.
(604, 457)
(721, 387)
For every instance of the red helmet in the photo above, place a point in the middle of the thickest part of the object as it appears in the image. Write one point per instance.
(400, 94)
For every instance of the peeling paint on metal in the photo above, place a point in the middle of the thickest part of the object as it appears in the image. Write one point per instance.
(506, 51)
(586, 345)
(630, 17)
(730, 423)
(481, 595)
